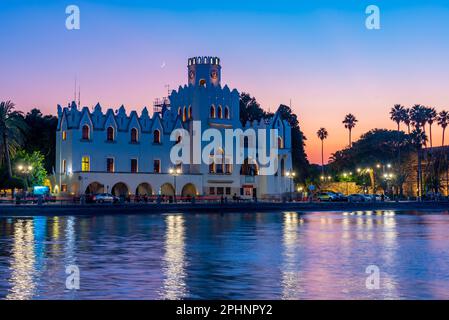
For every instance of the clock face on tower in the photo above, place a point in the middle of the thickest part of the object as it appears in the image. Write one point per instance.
(191, 74)
(214, 74)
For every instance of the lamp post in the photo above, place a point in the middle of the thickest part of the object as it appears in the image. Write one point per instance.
(290, 175)
(388, 177)
(25, 170)
(175, 172)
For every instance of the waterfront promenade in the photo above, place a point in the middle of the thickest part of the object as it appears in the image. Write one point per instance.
(240, 207)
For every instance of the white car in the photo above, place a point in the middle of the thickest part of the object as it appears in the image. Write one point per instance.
(105, 198)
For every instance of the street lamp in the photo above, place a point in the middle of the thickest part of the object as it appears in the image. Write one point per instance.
(290, 175)
(175, 172)
(25, 170)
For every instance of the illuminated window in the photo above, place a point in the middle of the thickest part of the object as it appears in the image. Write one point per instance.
(190, 112)
(156, 136)
(280, 143)
(203, 83)
(184, 114)
(110, 134)
(64, 135)
(64, 166)
(212, 111)
(86, 132)
(63, 188)
(110, 164)
(226, 113)
(134, 135)
(85, 164)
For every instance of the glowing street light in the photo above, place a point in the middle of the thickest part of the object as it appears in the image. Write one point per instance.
(290, 175)
(175, 172)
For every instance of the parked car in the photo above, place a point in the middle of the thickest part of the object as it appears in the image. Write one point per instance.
(326, 196)
(358, 197)
(378, 197)
(340, 196)
(105, 198)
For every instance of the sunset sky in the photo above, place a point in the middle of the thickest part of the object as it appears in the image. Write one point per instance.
(317, 53)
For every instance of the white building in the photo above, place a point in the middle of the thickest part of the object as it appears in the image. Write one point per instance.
(129, 154)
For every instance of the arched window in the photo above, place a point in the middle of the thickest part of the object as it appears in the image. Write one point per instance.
(282, 167)
(280, 143)
(110, 134)
(226, 113)
(219, 164)
(156, 136)
(179, 111)
(134, 135)
(203, 83)
(190, 112)
(220, 112)
(249, 168)
(86, 132)
(184, 114)
(212, 111)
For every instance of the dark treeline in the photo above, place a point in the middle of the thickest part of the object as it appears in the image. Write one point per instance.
(27, 146)
(251, 110)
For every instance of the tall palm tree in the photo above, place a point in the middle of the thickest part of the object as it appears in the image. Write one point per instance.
(350, 122)
(322, 134)
(443, 121)
(406, 118)
(418, 138)
(397, 114)
(431, 117)
(418, 116)
(12, 127)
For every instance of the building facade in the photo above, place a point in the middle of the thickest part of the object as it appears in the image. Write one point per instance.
(129, 154)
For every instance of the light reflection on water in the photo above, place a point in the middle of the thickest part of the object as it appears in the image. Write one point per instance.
(284, 255)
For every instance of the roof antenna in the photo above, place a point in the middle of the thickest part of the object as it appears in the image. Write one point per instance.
(168, 89)
(79, 96)
(74, 96)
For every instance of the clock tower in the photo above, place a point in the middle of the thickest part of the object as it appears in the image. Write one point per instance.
(204, 71)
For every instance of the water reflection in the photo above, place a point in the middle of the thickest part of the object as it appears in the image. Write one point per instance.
(279, 255)
(174, 286)
(22, 261)
(290, 272)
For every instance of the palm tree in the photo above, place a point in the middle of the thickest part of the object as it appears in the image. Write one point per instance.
(397, 114)
(322, 134)
(418, 138)
(12, 127)
(406, 118)
(418, 116)
(443, 121)
(350, 122)
(431, 117)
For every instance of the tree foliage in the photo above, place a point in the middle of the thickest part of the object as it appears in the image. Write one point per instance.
(35, 160)
(41, 136)
(251, 110)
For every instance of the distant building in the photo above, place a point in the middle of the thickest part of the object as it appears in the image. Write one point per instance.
(127, 154)
(435, 172)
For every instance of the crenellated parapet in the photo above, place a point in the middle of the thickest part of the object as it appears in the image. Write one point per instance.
(204, 60)
(71, 117)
